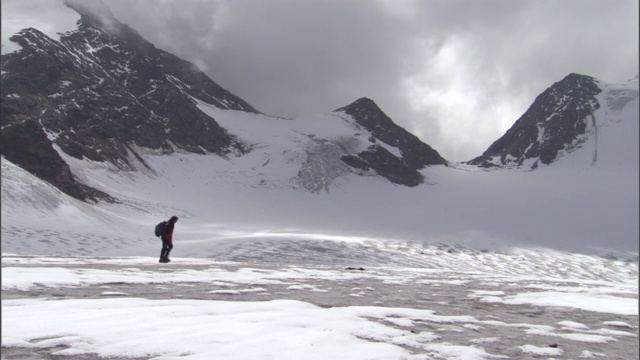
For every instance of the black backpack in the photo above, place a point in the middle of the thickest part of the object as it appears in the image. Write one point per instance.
(159, 228)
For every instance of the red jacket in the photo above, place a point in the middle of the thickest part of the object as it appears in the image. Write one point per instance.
(167, 232)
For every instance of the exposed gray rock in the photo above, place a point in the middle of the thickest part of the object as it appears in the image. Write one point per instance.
(415, 154)
(557, 120)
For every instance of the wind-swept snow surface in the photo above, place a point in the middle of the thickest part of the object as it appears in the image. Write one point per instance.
(132, 307)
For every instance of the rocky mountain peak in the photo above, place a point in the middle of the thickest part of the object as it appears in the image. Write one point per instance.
(368, 114)
(557, 121)
(362, 104)
(413, 153)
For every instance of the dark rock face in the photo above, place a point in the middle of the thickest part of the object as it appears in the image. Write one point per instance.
(27, 144)
(99, 92)
(557, 120)
(385, 164)
(415, 154)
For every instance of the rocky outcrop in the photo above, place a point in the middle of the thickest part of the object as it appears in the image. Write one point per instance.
(26, 144)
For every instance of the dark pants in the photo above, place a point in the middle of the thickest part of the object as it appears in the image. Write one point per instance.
(166, 248)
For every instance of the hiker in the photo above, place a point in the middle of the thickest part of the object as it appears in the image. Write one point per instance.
(167, 239)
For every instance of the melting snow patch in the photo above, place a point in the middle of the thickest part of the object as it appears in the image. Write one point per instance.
(238, 292)
(485, 340)
(546, 331)
(618, 324)
(305, 287)
(541, 351)
(586, 354)
(456, 352)
(400, 322)
(225, 292)
(590, 302)
(572, 325)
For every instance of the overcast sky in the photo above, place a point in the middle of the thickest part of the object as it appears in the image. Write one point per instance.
(456, 73)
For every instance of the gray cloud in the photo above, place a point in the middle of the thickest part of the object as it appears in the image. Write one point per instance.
(457, 73)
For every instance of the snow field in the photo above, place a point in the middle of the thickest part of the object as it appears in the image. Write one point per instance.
(218, 310)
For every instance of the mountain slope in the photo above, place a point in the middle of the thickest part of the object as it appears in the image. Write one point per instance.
(317, 152)
(99, 90)
(560, 120)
